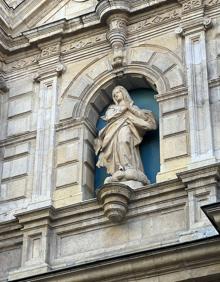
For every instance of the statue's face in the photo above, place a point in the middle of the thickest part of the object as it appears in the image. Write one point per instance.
(118, 95)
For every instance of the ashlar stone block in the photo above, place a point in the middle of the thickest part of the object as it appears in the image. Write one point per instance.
(67, 175)
(16, 150)
(175, 146)
(20, 105)
(173, 105)
(15, 167)
(14, 189)
(18, 126)
(174, 123)
(20, 86)
(67, 153)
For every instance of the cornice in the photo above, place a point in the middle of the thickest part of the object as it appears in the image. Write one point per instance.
(27, 15)
(141, 264)
(161, 16)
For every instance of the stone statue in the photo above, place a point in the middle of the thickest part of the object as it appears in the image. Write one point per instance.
(118, 142)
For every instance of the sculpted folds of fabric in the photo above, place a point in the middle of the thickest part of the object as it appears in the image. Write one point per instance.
(118, 142)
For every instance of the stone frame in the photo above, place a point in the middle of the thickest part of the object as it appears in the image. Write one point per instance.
(89, 93)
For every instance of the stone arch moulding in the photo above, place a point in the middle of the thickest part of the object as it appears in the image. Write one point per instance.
(90, 92)
(160, 67)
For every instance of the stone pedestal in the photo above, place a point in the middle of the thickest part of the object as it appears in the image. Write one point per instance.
(114, 198)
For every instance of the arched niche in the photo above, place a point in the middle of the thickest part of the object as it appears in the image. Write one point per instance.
(89, 93)
(99, 101)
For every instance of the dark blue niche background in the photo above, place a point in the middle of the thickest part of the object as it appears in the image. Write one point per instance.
(149, 148)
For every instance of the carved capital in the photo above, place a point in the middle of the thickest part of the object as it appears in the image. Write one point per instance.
(57, 71)
(190, 28)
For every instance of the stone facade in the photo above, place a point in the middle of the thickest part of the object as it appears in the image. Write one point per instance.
(59, 61)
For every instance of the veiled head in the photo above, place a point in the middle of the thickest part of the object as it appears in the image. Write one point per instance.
(120, 93)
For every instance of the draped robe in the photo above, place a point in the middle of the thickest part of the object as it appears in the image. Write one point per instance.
(118, 142)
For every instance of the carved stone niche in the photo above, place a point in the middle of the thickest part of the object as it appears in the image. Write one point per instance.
(114, 198)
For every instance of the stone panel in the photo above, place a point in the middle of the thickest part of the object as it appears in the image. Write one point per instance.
(174, 123)
(9, 260)
(15, 167)
(68, 134)
(142, 55)
(14, 189)
(66, 108)
(93, 73)
(163, 62)
(67, 175)
(20, 105)
(20, 87)
(19, 125)
(80, 85)
(173, 105)
(16, 150)
(110, 239)
(175, 146)
(174, 77)
(67, 153)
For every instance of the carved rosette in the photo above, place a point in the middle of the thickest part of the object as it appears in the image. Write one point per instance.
(114, 198)
(117, 36)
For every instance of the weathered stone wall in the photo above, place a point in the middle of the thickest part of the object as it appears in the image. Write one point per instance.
(56, 77)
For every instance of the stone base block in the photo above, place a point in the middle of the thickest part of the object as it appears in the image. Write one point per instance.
(25, 272)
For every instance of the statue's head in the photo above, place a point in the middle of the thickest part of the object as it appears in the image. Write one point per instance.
(119, 93)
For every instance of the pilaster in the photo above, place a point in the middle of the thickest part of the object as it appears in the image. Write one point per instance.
(48, 88)
(202, 186)
(193, 29)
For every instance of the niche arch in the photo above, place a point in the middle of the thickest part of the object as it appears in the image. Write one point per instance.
(160, 67)
(90, 92)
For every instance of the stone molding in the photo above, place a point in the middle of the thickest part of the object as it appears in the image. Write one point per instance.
(47, 227)
(163, 261)
(65, 27)
(49, 73)
(141, 61)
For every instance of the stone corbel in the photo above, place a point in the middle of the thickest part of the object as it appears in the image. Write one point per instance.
(117, 35)
(115, 198)
(115, 14)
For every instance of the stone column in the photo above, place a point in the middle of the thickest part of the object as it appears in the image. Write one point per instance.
(193, 29)
(45, 140)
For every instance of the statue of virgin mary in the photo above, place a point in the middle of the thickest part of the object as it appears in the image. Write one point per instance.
(118, 142)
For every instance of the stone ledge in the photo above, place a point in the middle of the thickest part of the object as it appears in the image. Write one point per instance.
(161, 261)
